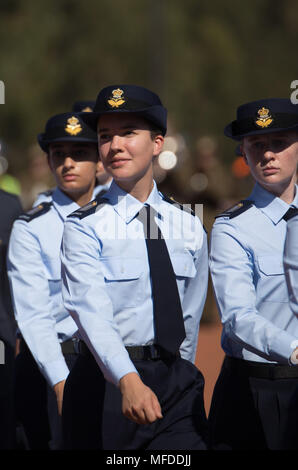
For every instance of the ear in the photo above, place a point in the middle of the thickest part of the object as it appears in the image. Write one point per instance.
(158, 144)
(49, 160)
(243, 153)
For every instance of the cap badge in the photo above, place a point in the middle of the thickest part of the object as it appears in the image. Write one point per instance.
(73, 126)
(87, 110)
(116, 99)
(264, 119)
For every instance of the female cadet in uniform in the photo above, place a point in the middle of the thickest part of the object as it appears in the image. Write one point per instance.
(255, 399)
(137, 306)
(35, 277)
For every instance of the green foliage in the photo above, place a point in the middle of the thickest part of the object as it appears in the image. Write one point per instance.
(204, 58)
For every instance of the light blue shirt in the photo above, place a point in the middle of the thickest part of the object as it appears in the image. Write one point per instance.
(34, 270)
(246, 263)
(291, 262)
(46, 196)
(106, 279)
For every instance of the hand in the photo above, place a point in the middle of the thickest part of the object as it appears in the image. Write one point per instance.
(59, 389)
(139, 402)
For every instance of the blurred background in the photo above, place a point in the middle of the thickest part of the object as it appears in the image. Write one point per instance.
(204, 58)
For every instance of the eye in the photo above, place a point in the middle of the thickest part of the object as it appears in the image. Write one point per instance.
(57, 154)
(79, 153)
(104, 137)
(258, 145)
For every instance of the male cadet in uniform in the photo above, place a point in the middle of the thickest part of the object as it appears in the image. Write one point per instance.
(34, 270)
(137, 300)
(255, 400)
(10, 209)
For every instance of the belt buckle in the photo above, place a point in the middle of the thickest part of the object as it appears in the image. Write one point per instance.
(154, 354)
(76, 345)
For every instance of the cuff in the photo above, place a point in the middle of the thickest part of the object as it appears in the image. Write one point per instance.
(55, 371)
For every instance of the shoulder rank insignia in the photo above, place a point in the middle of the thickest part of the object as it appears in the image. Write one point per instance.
(292, 212)
(89, 208)
(41, 209)
(47, 193)
(183, 207)
(233, 211)
(264, 119)
(116, 99)
(73, 126)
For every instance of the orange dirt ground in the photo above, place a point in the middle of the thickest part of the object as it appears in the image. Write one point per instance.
(209, 357)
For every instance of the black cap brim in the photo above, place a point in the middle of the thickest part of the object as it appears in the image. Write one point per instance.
(44, 144)
(152, 114)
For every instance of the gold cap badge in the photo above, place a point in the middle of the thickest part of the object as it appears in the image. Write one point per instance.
(87, 110)
(264, 119)
(116, 99)
(73, 126)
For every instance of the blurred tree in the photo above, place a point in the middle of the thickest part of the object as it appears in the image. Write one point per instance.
(203, 57)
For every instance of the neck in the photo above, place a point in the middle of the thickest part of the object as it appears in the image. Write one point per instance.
(286, 192)
(81, 198)
(139, 190)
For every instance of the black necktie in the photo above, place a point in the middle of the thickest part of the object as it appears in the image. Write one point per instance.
(168, 316)
(290, 213)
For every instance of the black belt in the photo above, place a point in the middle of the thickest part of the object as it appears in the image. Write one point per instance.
(70, 346)
(260, 370)
(149, 352)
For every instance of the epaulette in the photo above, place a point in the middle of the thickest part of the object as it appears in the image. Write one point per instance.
(37, 211)
(183, 207)
(292, 212)
(89, 208)
(46, 193)
(237, 209)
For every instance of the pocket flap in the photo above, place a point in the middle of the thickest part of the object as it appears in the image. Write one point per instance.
(271, 265)
(183, 265)
(121, 268)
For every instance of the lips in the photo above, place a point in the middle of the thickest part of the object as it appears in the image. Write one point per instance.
(69, 177)
(270, 170)
(117, 162)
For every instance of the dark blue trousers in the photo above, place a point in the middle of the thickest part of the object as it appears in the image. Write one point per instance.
(36, 404)
(253, 413)
(92, 408)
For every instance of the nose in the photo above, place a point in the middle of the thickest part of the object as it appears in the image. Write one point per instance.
(269, 154)
(68, 161)
(116, 143)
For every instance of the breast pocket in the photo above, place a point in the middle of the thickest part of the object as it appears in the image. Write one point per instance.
(122, 278)
(271, 265)
(184, 269)
(271, 285)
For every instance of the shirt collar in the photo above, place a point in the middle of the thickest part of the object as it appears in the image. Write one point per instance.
(127, 206)
(63, 204)
(272, 206)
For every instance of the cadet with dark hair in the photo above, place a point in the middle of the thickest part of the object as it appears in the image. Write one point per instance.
(256, 395)
(137, 298)
(34, 270)
(10, 209)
